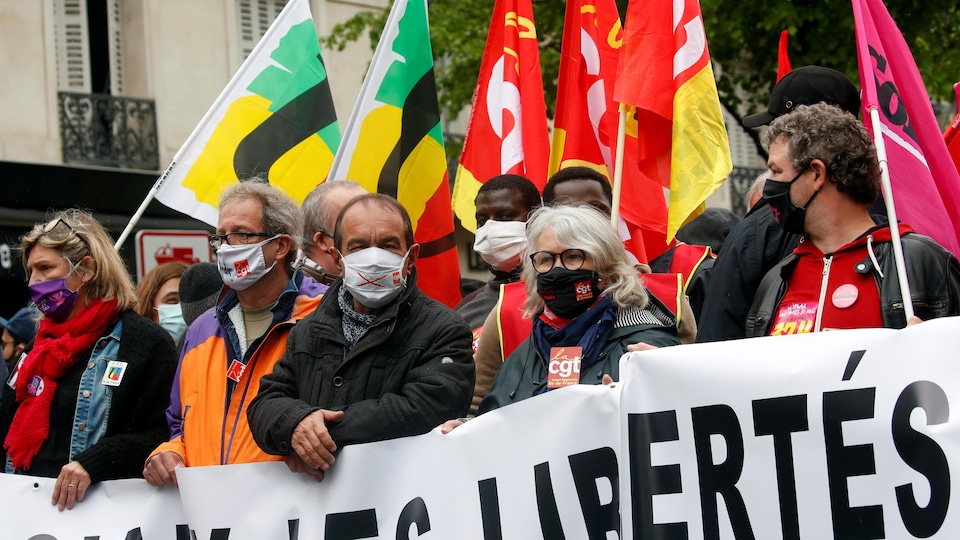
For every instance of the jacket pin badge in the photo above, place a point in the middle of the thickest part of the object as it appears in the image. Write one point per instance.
(114, 374)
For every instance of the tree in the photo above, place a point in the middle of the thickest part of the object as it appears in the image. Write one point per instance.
(742, 36)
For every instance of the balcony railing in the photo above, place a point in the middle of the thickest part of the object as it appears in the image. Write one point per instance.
(110, 131)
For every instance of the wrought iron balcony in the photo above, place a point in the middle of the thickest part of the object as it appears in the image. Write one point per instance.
(110, 131)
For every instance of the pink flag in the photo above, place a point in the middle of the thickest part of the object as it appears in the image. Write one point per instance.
(923, 177)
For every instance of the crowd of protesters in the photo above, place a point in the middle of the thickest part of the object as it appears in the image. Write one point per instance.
(310, 332)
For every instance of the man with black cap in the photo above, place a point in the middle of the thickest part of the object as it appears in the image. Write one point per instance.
(200, 287)
(758, 243)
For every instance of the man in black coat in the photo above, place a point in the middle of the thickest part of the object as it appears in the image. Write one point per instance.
(376, 360)
(758, 243)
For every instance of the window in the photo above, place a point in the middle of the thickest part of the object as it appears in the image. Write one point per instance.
(254, 17)
(89, 52)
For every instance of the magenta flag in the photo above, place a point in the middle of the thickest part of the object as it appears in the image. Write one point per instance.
(924, 180)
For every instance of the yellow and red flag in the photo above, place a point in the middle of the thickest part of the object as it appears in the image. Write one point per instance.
(507, 131)
(393, 144)
(585, 125)
(665, 73)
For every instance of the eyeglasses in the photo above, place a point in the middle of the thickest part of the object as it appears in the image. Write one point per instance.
(235, 238)
(571, 259)
(49, 227)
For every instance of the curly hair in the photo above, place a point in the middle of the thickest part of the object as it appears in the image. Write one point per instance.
(76, 234)
(828, 133)
(579, 226)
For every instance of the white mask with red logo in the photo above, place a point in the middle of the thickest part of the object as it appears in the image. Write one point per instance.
(374, 276)
(242, 266)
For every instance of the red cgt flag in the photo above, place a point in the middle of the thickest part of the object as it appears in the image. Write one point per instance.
(585, 125)
(665, 72)
(507, 131)
(783, 57)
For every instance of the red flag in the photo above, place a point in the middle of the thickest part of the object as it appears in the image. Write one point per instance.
(507, 131)
(922, 174)
(783, 58)
(665, 72)
(585, 124)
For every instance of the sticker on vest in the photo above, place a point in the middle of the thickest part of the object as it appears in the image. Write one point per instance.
(796, 318)
(35, 386)
(236, 371)
(845, 296)
(12, 380)
(564, 367)
(476, 338)
(114, 374)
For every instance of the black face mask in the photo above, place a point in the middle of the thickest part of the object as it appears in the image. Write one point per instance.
(788, 215)
(568, 293)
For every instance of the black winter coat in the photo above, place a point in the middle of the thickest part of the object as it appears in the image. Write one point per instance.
(410, 372)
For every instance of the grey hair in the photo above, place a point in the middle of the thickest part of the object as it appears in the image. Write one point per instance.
(836, 138)
(317, 215)
(279, 215)
(583, 227)
(755, 193)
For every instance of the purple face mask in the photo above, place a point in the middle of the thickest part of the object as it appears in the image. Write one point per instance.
(53, 298)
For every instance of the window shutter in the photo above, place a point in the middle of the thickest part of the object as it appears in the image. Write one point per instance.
(254, 17)
(73, 46)
(114, 25)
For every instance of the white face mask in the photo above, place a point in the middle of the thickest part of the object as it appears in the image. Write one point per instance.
(242, 266)
(374, 276)
(500, 243)
(171, 319)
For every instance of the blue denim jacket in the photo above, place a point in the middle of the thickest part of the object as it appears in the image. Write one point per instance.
(93, 399)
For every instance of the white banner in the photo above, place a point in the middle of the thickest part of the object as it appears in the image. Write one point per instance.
(841, 434)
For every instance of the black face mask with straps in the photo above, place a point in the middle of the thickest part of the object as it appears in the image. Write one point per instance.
(568, 293)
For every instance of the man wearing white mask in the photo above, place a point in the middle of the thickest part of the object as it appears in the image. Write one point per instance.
(503, 204)
(231, 346)
(377, 360)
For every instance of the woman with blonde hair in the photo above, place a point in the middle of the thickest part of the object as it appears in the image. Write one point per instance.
(89, 396)
(587, 302)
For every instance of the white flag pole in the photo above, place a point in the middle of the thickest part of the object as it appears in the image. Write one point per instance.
(618, 167)
(891, 212)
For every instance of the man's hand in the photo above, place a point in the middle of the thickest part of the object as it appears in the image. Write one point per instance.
(641, 347)
(311, 440)
(297, 465)
(161, 469)
(71, 485)
(450, 425)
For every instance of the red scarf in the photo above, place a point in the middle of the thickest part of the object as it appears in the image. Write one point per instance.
(57, 347)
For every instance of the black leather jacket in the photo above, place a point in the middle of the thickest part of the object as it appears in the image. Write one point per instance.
(932, 271)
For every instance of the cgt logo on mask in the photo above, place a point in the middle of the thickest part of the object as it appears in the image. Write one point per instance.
(241, 268)
(584, 290)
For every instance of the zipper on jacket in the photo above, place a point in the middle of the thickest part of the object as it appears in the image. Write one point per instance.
(823, 291)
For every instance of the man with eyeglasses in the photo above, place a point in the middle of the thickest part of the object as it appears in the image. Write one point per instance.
(230, 347)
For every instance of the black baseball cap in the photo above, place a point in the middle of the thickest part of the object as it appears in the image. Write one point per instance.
(808, 85)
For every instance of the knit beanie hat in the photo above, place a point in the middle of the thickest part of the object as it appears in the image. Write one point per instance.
(23, 325)
(200, 287)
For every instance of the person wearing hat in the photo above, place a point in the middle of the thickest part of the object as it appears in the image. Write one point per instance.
(200, 287)
(758, 243)
(18, 333)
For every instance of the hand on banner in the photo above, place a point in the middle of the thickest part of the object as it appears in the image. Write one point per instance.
(451, 425)
(914, 321)
(296, 464)
(71, 485)
(607, 380)
(641, 347)
(311, 440)
(161, 469)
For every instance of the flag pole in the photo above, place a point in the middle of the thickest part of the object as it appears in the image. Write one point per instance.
(891, 212)
(618, 167)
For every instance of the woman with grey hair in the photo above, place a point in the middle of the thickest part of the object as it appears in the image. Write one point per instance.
(587, 302)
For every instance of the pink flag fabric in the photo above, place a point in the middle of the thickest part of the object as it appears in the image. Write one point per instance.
(924, 180)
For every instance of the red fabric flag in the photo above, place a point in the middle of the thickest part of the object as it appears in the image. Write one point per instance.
(923, 177)
(665, 72)
(950, 135)
(507, 131)
(783, 57)
(585, 125)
